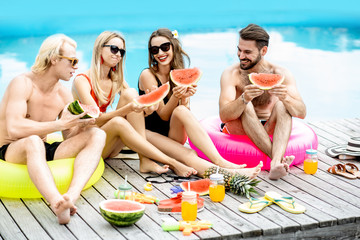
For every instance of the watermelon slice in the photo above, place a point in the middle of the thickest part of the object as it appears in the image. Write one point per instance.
(265, 81)
(77, 108)
(200, 186)
(153, 97)
(185, 77)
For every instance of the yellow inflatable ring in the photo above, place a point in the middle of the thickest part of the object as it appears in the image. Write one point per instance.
(15, 181)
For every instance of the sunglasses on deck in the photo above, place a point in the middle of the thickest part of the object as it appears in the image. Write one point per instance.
(164, 47)
(73, 61)
(114, 50)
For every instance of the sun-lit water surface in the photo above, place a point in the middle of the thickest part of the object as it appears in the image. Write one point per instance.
(324, 62)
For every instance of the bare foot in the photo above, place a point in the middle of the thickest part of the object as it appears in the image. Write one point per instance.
(62, 208)
(226, 164)
(73, 210)
(147, 165)
(183, 170)
(250, 172)
(278, 171)
(287, 161)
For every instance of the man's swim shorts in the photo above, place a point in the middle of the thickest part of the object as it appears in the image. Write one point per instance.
(49, 148)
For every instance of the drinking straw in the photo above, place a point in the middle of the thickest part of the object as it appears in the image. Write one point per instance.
(217, 169)
(125, 179)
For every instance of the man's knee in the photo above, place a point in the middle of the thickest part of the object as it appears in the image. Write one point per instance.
(33, 142)
(280, 109)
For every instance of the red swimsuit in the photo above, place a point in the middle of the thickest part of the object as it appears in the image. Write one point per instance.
(102, 107)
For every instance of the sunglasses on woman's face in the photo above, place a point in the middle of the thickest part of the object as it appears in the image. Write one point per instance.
(114, 50)
(164, 47)
(73, 61)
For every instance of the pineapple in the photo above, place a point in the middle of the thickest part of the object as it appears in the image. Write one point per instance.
(236, 183)
(242, 185)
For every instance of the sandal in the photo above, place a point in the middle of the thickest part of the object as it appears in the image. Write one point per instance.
(354, 170)
(339, 169)
(254, 205)
(286, 203)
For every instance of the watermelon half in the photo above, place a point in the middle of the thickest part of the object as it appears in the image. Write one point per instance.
(265, 81)
(185, 77)
(199, 186)
(77, 108)
(121, 212)
(153, 97)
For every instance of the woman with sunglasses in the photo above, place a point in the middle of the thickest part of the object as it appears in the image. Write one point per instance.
(99, 85)
(172, 123)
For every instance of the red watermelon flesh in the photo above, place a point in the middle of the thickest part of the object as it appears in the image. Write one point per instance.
(185, 77)
(200, 186)
(122, 206)
(265, 81)
(153, 97)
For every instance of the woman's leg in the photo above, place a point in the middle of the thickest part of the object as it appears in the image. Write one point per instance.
(138, 122)
(119, 132)
(189, 157)
(183, 122)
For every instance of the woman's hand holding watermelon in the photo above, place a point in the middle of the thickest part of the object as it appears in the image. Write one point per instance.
(182, 92)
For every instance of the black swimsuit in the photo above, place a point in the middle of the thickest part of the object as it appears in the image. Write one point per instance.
(153, 122)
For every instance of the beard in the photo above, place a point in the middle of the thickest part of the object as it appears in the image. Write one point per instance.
(250, 64)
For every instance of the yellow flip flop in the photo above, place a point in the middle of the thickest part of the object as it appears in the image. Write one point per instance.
(254, 205)
(286, 203)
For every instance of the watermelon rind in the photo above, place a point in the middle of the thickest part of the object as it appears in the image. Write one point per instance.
(177, 83)
(253, 81)
(121, 218)
(153, 97)
(76, 109)
(199, 186)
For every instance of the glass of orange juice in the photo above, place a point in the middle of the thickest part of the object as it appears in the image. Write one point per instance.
(189, 206)
(311, 161)
(217, 187)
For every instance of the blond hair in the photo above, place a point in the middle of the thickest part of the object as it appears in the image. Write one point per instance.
(179, 54)
(117, 76)
(50, 48)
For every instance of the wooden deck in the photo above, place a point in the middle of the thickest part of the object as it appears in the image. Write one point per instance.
(332, 202)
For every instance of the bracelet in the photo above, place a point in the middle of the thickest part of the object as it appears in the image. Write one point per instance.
(242, 97)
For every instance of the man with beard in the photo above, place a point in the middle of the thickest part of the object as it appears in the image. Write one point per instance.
(246, 109)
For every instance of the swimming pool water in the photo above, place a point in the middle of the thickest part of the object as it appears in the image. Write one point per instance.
(324, 62)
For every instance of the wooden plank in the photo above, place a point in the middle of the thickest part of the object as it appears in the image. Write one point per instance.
(151, 222)
(228, 212)
(8, 227)
(145, 226)
(47, 219)
(220, 227)
(308, 195)
(93, 216)
(25, 219)
(107, 192)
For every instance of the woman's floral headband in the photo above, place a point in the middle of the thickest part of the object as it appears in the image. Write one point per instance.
(175, 34)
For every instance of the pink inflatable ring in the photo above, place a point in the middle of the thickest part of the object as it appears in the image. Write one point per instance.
(240, 149)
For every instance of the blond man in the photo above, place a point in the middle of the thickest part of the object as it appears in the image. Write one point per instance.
(34, 105)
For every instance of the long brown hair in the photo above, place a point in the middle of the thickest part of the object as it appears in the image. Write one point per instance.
(178, 53)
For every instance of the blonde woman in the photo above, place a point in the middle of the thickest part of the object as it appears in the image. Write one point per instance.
(99, 85)
(172, 123)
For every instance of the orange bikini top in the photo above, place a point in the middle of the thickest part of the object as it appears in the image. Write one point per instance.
(102, 107)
